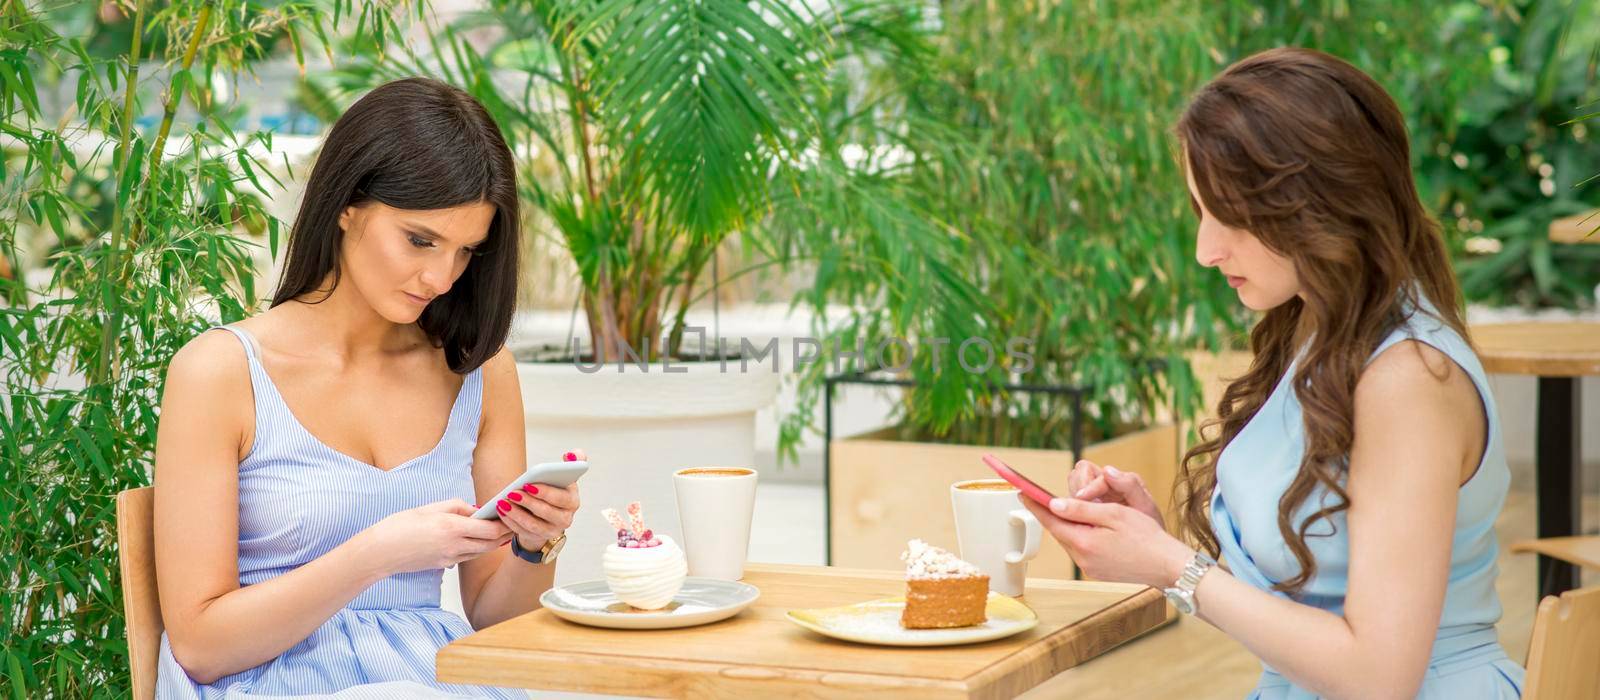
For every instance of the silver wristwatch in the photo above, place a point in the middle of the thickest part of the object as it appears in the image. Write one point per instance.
(1182, 593)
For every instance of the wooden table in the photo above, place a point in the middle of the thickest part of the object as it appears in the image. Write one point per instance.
(1559, 354)
(1578, 228)
(760, 653)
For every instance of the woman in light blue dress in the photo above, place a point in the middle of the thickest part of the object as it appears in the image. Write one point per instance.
(1351, 482)
(317, 464)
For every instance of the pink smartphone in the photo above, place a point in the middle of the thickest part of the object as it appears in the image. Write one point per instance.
(1033, 491)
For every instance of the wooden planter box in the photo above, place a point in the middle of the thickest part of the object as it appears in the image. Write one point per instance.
(885, 491)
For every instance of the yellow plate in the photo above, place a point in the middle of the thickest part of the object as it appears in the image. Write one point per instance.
(878, 622)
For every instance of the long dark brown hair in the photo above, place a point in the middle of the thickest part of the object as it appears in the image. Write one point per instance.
(1310, 155)
(417, 143)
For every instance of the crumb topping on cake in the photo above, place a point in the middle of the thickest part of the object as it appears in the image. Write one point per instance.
(924, 560)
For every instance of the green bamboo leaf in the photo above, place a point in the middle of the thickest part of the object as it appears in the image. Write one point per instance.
(249, 172)
(87, 446)
(19, 688)
(14, 90)
(131, 173)
(30, 94)
(73, 583)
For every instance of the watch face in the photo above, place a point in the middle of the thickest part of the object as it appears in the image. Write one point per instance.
(554, 547)
(1182, 602)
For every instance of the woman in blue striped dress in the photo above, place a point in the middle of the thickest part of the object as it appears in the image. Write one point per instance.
(316, 464)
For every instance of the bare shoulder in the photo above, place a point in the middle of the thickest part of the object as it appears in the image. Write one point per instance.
(1415, 370)
(208, 398)
(1414, 394)
(500, 372)
(212, 361)
(501, 390)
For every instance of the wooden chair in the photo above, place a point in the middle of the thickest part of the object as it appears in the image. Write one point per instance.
(1566, 630)
(1562, 658)
(141, 604)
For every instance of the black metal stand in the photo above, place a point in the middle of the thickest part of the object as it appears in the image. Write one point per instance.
(1559, 476)
(828, 383)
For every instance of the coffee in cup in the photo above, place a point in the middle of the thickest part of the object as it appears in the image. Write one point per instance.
(995, 532)
(715, 505)
(985, 485)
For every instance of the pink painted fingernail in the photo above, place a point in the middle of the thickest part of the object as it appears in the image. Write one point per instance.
(569, 457)
(530, 488)
(514, 496)
(503, 507)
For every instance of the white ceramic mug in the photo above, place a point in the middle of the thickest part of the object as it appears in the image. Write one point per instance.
(995, 532)
(714, 507)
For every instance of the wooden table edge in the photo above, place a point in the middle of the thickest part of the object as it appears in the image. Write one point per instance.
(525, 674)
(983, 680)
(1512, 358)
(461, 652)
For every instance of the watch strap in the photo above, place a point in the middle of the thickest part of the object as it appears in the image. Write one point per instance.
(1182, 591)
(534, 557)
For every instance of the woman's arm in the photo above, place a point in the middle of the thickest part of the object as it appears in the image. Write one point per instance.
(216, 627)
(1418, 435)
(498, 586)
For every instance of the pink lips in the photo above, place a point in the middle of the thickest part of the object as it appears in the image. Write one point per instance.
(416, 299)
(1235, 282)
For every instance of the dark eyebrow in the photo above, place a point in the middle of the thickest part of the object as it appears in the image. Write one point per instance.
(432, 234)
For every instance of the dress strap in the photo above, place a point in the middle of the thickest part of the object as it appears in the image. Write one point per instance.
(246, 339)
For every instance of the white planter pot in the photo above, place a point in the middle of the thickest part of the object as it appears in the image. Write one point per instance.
(638, 427)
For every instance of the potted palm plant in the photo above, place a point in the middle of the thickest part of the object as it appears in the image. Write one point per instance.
(648, 134)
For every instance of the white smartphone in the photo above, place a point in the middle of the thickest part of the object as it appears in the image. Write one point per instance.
(562, 474)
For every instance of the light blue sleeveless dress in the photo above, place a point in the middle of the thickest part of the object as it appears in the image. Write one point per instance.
(298, 499)
(1256, 468)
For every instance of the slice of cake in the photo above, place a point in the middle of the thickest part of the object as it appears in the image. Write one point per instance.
(941, 589)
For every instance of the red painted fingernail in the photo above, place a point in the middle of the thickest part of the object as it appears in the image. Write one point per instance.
(503, 507)
(569, 457)
(533, 489)
(514, 496)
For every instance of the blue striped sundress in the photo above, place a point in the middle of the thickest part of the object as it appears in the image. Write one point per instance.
(1258, 465)
(300, 498)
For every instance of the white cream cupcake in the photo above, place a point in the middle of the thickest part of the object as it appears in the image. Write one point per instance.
(643, 569)
(645, 577)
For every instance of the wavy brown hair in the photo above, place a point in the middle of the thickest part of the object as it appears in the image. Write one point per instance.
(1310, 155)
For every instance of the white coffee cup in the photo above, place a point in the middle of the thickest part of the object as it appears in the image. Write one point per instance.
(995, 532)
(714, 508)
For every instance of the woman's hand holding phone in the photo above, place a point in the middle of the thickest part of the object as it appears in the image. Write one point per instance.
(539, 512)
(442, 534)
(435, 536)
(1092, 482)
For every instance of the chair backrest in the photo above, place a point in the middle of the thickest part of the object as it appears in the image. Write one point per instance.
(141, 604)
(1564, 656)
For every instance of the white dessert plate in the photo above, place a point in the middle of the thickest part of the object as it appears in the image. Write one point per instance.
(878, 622)
(701, 601)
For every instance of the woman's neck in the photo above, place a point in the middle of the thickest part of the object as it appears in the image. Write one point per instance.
(342, 322)
(1303, 330)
